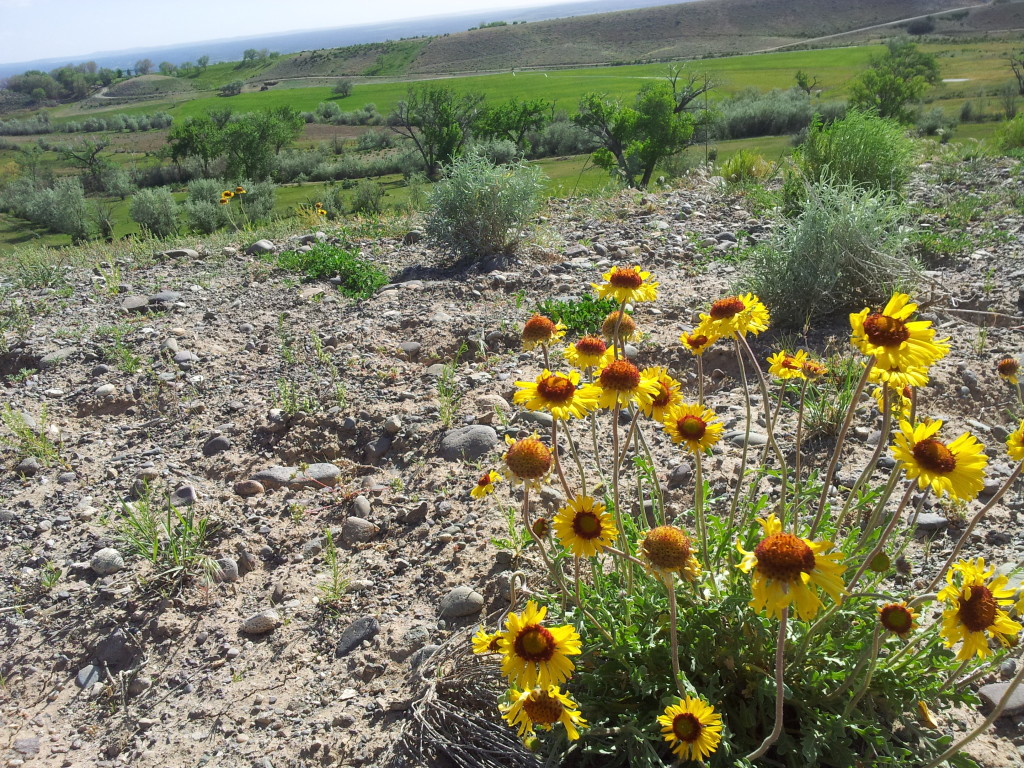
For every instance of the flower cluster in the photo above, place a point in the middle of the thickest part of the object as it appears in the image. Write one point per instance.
(228, 195)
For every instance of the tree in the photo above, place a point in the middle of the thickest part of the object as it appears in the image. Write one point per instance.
(167, 68)
(1017, 65)
(438, 121)
(231, 89)
(633, 139)
(196, 137)
(143, 66)
(804, 81)
(343, 88)
(900, 76)
(203, 61)
(514, 119)
(86, 155)
(251, 141)
(688, 86)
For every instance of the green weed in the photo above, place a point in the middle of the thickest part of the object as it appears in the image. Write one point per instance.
(582, 316)
(359, 278)
(25, 440)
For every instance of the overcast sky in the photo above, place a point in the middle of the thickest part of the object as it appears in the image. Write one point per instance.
(41, 29)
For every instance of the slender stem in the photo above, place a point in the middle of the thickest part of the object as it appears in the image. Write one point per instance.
(657, 486)
(624, 555)
(799, 440)
(558, 462)
(743, 454)
(882, 441)
(867, 678)
(970, 527)
(629, 436)
(762, 384)
(576, 457)
(780, 658)
(883, 538)
(840, 440)
(700, 379)
(670, 585)
(593, 440)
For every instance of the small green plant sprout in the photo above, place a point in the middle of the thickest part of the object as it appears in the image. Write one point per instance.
(582, 316)
(28, 437)
(357, 277)
(335, 585)
(172, 540)
(49, 575)
(449, 393)
(759, 620)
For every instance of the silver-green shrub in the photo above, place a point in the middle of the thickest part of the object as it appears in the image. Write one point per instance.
(155, 211)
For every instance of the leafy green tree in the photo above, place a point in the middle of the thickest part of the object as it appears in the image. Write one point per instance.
(143, 66)
(85, 154)
(167, 68)
(805, 82)
(252, 141)
(196, 137)
(438, 121)
(203, 61)
(514, 119)
(895, 79)
(231, 89)
(633, 139)
(343, 88)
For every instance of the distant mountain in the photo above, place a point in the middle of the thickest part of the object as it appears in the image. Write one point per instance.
(231, 49)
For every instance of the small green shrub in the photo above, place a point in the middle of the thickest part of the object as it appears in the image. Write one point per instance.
(745, 166)
(368, 197)
(1010, 135)
(27, 439)
(860, 149)
(583, 315)
(360, 278)
(839, 254)
(257, 204)
(481, 209)
(155, 211)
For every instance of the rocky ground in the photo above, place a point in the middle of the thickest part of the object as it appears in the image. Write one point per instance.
(301, 424)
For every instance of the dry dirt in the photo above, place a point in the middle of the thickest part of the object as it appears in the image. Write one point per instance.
(126, 669)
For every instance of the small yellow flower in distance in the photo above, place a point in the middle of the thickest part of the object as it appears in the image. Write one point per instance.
(543, 707)
(588, 352)
(667, 396)
(692, 727)
(1007, 368)
(898, 618)
(814, 370)
(620, 383)
(893, 339)
(486, 642)
(239, 190)
(541, 330)
(559, 394)
(694, 426)
(785, 568)
(535, 655)
(1015, 443)
(957, 469)
(528, 460)
(584, 526)
(227, 194)
(667, 549)
(697, 341)
(741, 315)
(974, 612)
(620, 326)
(485, 484)
(783, 365)
(627, 284)
(224, 201)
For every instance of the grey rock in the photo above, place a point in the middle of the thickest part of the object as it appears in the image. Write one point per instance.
(260, 246)
(274, 477)
(55, 358)
(435, 370)
(753, 438)
(87, 676)
(680, 476)
(931, 521)
(1007, 669)
(184, 357)
(992, 693)
(376, 448)
(415, 515)
(228, 570)
(261, 623)
(27, 747)
(249, 488)
(461, 601)
(181, 253)
(107, 561)
(411, 349)
(412, 237)
(293, 477)
(365, 628)
(28, 467)
(164, 297)
(184, 496)
(361, 506)
(135, 304)
(216, 445)
(116, 650)
(422, 655)
(539, 418)
(392, 425)
(105, 389)
(468, 443)
(356, 530)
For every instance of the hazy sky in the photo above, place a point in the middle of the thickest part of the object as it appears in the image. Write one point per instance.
(41, 29)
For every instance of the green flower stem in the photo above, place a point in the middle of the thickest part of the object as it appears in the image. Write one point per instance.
(956, 673)
(974, 521)
(624, 555)
(700, 520)
(743, 455)
(867, 678)
(780, 689)
(880, 546)
(576, 457)
(770, 421)
(876, 513)
(558, 462)
(657, 486)
(615, 492)
(593, 440)
(799, 440)
(617, 343)
(670, 586)
(629, 436)
(840, 440)
(700, 379)
(873, 461)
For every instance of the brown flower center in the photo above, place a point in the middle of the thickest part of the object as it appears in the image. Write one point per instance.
(528, 459)
(1008, 366)
(696, 342)
(485, 480)
(885, 331)
(542, 708)
(814, 369)
(626, 277)
(934, 456)
(587, 525)
(556, 389)
(661, 399)
(538, 328)
(728, 307)
(627, 326)
(495, 645)
(540, 527)
(789, 363)
(783, 557)
(667, 547)
(687, 727)
(978, 612)
(691, 427)
(620, 375)
(534, 643)
(896, 618)
(591, 346)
